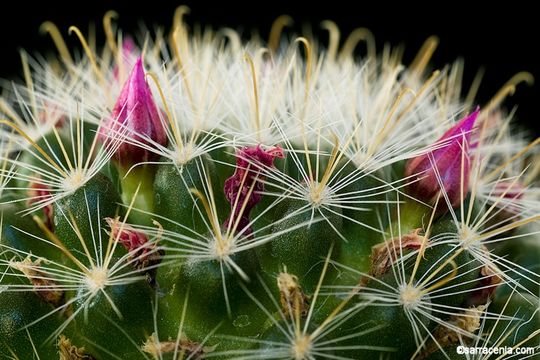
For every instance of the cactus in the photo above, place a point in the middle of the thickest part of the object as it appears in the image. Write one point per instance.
(197, 196)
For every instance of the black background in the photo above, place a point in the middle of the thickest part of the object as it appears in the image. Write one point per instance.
(502, 39)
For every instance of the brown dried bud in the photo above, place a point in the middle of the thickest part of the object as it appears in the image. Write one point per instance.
(444, 336)
(67, 351)
(45, 287)
(292, 298)
(385, 254)
(190, 349)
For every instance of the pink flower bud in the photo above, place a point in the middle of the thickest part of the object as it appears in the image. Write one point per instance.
(143, 254)
(40, 193)
(134, 241)
(244, 187)
(135, 115)
(448, 163)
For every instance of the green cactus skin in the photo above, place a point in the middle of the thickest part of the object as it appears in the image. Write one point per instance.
(173, 199)
(144, 258)
(18, 309)
(524, 308)
(356, 251)
(182, 287)
(98, 196)
(525, 254)
(12, 236)
(105, 331)
(455, 292)
(311, 243)
(52, 146)
(393, 331)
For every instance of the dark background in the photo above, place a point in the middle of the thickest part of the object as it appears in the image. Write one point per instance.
(500, 39)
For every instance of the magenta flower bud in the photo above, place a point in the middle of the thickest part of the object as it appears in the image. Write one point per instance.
(243, 189)
(447, 165)
(132, 240)
(41, 193)
(135, 116)
(143, 254)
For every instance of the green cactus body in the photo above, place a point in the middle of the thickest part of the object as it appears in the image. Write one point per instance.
(21, 233)
(207, 195)
(387, 328)
(114, 322)
(78, 217)
(18, 310)
(173, 198)
(521, 312)
(360, 227)
(310, 243)
(451, 262)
